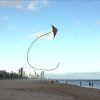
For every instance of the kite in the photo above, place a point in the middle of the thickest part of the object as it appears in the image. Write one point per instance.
(54, 31)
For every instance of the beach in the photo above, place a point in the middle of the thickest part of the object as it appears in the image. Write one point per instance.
(27, 89)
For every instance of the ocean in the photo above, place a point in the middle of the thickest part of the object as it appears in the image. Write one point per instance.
(83, 83)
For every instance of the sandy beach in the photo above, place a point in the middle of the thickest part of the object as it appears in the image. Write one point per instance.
(26, 89)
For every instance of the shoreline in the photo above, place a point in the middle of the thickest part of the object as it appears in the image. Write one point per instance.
(26, 89)
(87, 83)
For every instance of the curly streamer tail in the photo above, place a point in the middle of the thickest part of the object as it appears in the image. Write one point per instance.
(29, 51)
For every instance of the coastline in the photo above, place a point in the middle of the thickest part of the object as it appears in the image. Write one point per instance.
(88, 83)
(26, 89)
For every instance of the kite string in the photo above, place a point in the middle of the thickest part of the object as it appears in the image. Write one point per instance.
(30, 49)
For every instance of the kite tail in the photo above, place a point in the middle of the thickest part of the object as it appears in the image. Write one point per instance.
(29, 51)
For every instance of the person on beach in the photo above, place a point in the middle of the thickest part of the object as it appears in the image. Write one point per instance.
(89, 84)
(92, 84)
(66, 82)
(52, 81)
(80, 83)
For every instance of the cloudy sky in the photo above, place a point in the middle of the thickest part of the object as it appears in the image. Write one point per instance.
(76, 46)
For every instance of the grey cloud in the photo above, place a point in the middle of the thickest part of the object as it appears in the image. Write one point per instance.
(24, 4)
(10, 3)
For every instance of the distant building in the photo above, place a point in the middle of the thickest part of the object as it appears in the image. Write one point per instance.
(21, 72)
(12, 75)
(42, 75)
(3, 73)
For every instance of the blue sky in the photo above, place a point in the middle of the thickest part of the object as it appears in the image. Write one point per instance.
(76, 46)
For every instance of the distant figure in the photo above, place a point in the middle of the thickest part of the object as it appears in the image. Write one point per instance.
(66, 82)
(89, 84)
(92, 84)
(80, 83)
(56, 81)
(52, 81)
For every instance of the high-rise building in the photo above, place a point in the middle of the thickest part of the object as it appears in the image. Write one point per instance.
(21, 72)
(42, 75)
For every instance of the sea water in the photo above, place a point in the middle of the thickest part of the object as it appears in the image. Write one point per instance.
(82, 83)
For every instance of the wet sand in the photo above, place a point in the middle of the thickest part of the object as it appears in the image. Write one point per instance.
(26, 89)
